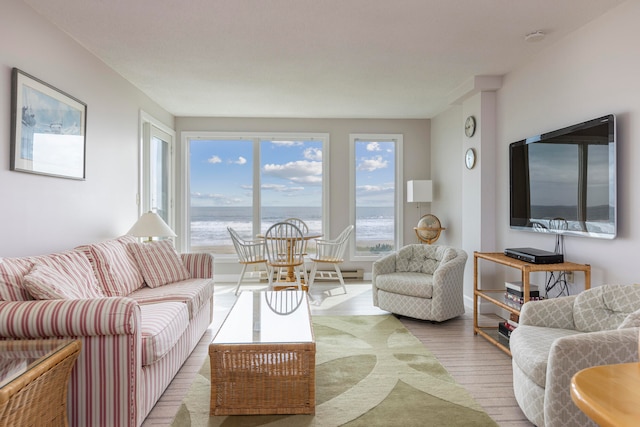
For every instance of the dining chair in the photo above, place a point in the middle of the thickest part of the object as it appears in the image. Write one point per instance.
(284, 244)
(250, 252)
(330, 252)
(305, 230)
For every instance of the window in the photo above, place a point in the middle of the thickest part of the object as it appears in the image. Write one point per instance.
(156, 192)
(225, 169)
(376, 194)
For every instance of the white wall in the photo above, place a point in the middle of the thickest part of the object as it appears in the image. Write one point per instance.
(417, 145)
(593, 72)
(40, 214)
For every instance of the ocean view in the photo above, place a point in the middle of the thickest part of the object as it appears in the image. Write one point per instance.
(209, 224)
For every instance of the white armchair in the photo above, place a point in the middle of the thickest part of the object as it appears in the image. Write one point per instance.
(421, 281)
(558, 337)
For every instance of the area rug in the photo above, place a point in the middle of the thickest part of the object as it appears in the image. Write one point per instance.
(370, 371)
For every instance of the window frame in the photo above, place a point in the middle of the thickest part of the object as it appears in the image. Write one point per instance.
(398, 139)
(185, 196)
(150, 127)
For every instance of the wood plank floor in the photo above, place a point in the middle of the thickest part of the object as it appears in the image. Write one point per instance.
(473, 362)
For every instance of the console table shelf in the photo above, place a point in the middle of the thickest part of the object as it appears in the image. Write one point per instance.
(494, 296)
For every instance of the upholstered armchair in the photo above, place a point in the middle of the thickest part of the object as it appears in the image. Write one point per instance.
(558, 337)
(421, 281)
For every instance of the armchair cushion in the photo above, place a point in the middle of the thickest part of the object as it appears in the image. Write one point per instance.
(422, 258)
(605, 307)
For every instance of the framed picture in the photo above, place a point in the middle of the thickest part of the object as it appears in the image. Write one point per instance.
(48, 129)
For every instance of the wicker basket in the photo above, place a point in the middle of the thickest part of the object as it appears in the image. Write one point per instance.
(253, 379)
(38, 397)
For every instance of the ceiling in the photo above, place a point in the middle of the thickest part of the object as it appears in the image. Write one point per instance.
(313, 58)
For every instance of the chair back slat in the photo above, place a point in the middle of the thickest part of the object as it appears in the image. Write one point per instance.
(284, 243)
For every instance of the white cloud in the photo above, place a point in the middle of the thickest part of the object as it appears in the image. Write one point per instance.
(287, 143)
(214, 160)
(301, 171)
(373, 146)
(313, 154)
(281, 188)
(241, 161)
(372, 164)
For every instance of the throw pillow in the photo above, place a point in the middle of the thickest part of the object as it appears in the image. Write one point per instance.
(12, 272)
(114, 266)
(46, 282)
(159, 263)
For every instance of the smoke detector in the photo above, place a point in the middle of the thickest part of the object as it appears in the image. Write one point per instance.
(535, 36)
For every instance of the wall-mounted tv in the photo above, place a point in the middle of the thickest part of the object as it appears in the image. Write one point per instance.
(564, 181)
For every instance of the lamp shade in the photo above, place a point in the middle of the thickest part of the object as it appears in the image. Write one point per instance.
(151, 225)
(419, 191)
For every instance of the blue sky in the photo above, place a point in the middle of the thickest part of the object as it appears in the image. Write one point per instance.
(291, 173)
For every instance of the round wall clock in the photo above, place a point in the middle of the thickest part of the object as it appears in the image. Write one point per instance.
(470, 158)
(470, 126)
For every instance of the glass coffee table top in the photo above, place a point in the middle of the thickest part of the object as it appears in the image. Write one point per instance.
(267, 317)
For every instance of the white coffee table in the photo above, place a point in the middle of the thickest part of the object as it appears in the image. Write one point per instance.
(263, 356)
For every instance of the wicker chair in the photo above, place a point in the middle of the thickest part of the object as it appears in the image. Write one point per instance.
(330, 252)
(250, 252)
(284, 243)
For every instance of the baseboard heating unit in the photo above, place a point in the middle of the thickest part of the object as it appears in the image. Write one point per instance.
(534, 256)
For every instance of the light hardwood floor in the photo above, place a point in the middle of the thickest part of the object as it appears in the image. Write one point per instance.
(473, 362)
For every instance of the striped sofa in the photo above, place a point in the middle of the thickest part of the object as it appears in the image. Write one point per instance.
(139, 312)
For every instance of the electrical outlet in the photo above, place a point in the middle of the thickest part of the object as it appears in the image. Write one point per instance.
(569, 276)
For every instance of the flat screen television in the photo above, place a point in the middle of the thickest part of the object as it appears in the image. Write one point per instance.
(564, 182)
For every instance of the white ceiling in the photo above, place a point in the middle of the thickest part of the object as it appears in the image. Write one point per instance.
(313, 58)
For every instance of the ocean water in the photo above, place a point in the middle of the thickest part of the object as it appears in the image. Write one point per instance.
(209, 224)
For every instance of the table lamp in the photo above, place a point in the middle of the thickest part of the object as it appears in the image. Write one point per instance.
(151, 225)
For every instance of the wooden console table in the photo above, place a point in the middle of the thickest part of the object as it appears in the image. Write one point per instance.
(496, 296)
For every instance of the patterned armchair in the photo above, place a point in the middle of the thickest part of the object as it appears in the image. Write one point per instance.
(421, 281)
(558, 337)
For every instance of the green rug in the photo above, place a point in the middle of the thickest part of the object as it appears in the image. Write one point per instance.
(370, 371)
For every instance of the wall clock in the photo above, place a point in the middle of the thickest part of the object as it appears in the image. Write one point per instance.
(470, 158)
(470, 126)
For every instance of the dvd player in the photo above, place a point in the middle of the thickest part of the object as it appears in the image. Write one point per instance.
(534, 256)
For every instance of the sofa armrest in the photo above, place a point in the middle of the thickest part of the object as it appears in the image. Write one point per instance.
(109, 329)
(571, 354)
(69, 318)
(550, 313)
(199, 265)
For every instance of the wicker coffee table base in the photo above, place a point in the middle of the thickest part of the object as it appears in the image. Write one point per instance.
(254, 379)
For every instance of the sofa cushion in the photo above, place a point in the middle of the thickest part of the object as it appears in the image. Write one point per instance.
(407, 283)
(114, 266)
(162, 326)
(12, 272)
(605, 307)
(194, 292)
(159, 262)
(530, 346)
(422, 258)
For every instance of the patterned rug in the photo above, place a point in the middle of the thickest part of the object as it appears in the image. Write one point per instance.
(370, 371)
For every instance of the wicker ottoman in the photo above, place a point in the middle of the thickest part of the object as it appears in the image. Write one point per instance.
(263, 356)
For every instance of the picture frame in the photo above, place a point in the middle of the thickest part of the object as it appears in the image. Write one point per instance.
(48, 129)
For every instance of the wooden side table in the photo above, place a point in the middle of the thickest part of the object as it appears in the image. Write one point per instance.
(34, 375)
(609, 394)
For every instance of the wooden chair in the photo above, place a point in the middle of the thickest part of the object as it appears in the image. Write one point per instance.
(330, 252)
(250, 252)
(284, 244)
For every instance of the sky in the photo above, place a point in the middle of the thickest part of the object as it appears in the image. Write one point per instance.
(290, 172)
